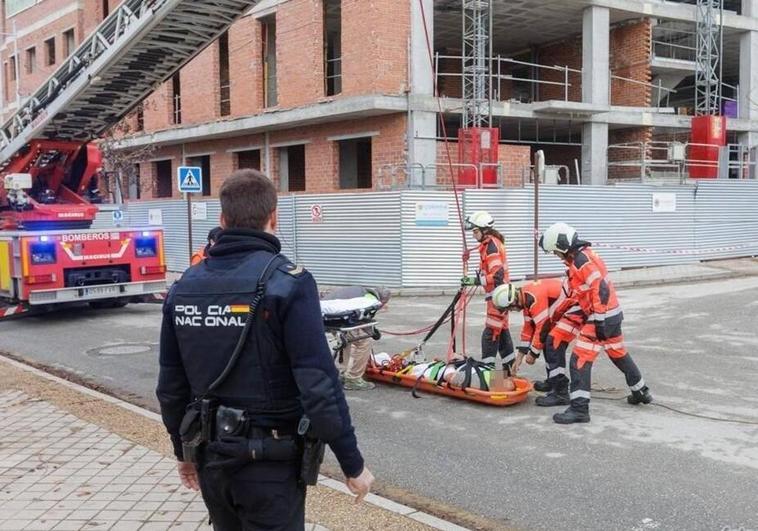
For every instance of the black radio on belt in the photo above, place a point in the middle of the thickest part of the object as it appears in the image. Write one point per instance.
(313, 453)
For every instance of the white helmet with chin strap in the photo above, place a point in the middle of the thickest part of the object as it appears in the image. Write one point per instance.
(479, 220)
(558, 238)
(504, 296)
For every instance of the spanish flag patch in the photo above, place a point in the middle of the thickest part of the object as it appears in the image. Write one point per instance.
(239, 308)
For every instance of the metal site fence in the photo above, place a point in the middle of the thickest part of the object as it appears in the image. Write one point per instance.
(412, 237)
(674, 161)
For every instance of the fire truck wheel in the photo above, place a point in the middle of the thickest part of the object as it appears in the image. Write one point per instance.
(108, 304)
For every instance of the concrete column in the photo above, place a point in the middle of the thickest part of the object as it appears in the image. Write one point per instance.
(749, 74)
(594, 153)
(595, 90)
(422, 126)
(595, 55)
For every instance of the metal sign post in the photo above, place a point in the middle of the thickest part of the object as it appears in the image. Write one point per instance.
(190, 180)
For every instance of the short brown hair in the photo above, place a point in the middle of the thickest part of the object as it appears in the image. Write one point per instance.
(248, 198)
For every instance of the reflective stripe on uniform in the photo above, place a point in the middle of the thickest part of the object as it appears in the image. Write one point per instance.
(524, 344)
(587, 346)
(563, 325)
(541, 316)
(592, 278)
(580, 394)
(615, 346)
(639, 385)
(556, 372)
(604, 316)
(510, 357)
(535, 351)
(491, 322)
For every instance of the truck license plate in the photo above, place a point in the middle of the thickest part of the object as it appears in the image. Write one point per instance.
(100, 291)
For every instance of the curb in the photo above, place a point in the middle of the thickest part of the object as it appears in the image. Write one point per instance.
(333, 484)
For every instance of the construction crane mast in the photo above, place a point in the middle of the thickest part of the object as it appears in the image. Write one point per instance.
(708, 62)
(477, 140)
(477, 95)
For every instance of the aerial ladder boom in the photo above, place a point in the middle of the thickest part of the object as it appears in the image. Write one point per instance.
(49, 167)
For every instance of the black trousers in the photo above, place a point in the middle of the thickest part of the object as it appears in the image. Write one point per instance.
(555, 363)
(503, 345)
(255, 497)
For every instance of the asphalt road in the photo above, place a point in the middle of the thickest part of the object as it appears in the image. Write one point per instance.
(631, 468)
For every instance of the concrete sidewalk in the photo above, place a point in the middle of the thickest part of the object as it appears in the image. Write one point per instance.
(74, 459)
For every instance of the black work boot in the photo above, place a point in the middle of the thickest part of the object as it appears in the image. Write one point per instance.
(642, 396)
(544, 386)
(559, 396)
(571, 415)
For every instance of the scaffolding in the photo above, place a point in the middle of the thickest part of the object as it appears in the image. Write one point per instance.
(708, 61)
(477, 87)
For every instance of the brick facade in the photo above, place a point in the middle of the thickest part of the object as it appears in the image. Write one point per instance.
(63, 15)
(321, 154)
(515, 162)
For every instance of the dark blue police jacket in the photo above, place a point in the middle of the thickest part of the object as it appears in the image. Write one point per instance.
(286, 368)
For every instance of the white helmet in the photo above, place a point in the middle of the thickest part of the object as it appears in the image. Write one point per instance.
(559, 237)
(504, 296)
(479, 220)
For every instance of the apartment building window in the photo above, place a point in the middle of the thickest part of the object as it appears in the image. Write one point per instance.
(332, 47)
(140, 118)
(31, 60)
(14, 72)
(292, 168)
(223, 76)
(106, 9)
(176, 98)
(204, 162)
(135, 183)
(269, 62)
(355, 163)
(50, 51)
(249, 159)
(163, 179)
(69, 42)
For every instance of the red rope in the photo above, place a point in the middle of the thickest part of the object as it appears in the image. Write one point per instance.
(465, 253)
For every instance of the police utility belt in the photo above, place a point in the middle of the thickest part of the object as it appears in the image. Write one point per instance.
(228, 435)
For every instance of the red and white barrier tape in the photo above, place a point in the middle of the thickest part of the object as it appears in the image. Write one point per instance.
(648, 250)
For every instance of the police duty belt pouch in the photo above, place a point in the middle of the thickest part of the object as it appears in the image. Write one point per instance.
(349, 312)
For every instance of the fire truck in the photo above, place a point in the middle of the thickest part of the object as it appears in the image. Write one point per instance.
(51, 167)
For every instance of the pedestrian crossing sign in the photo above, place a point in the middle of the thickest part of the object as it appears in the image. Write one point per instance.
(190, 179)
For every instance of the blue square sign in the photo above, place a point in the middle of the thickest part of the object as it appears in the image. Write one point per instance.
(190, 179)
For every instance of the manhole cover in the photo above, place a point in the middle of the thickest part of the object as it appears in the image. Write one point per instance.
(123, 349)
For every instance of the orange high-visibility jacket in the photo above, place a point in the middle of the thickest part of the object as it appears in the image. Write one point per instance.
(539, 300)
(589, 283)
(493, 263)
(493, 271)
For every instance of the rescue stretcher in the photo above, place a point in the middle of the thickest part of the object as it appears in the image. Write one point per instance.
(342, 319)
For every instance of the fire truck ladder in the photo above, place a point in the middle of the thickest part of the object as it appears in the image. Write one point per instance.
(138, 47)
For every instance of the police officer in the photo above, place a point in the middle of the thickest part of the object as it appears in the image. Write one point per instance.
(284, 372)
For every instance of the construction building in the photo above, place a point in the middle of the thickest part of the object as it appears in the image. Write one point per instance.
(339, 95)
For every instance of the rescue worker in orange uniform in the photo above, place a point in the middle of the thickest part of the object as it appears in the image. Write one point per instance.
(594, 291)
(493, 272)
(200, 255)
(538, 300)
